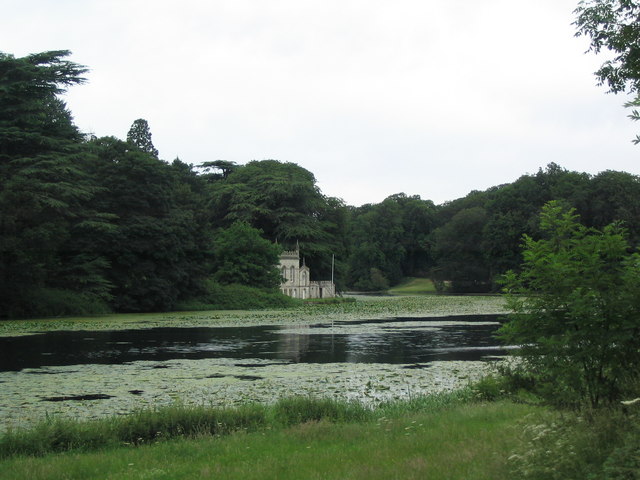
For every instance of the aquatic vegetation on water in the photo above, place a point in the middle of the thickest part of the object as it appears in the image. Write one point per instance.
(98, 390)
(214, 382)
(364, 308)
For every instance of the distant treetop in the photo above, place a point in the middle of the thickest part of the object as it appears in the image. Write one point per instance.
(140, 136)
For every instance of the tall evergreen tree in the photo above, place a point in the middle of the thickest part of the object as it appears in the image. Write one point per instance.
(44, 191)
(140, 136)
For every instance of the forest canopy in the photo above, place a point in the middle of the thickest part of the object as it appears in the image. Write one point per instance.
(92, 225)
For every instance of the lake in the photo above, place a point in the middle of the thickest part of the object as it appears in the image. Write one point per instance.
(396, 341)
(91, 373)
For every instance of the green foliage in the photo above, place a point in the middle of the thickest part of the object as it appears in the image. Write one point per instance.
(283, 201)
(106, 220)
(296, 410)
(144, 426)
(390, 241)
(613, 25)
(490, 388)
(140, 136)
(596, 446)
(156, 425)
(51, 302)
(614, 196)
(377, 280)
(479, 236)
(222, 169)
(577, 310)
(452, 442)
(624, 461)
(236, 297)
(152, 425)
(159, 247)
(460, 253)
(414, 286)
(46, 192)
(243, 257)
(329, 301)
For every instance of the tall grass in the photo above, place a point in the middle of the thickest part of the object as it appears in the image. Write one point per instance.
(145, 426)
(452, 435)
(296, 410)
(465, 441)
(179, 421)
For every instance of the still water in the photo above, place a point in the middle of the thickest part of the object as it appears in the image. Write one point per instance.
(391, 341)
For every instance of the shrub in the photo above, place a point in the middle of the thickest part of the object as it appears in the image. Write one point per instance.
(490, 388)
(577, 311)
(624, 461)
(237, 297)
(55, 302)
(596, 445)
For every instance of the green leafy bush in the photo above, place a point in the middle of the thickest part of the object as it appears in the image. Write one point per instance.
(54, 302)
(490, 388)
(237, 297)
(624, 461)
(576, 311)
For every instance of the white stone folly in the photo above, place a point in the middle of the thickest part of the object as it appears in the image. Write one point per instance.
(297, 280)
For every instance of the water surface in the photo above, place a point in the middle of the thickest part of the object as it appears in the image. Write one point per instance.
(392, 341)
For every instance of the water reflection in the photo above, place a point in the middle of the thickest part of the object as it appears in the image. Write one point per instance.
(397, 341)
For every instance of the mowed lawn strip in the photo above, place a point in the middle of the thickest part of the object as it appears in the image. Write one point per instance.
(467, 441)
(414, 286)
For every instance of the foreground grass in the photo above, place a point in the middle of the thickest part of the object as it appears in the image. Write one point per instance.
(414, 286)
(436, 438)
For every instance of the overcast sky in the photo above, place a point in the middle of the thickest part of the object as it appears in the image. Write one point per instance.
(428, 97)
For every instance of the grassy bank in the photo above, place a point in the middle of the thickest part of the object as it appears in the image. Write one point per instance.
(414, 286)
(441, 437)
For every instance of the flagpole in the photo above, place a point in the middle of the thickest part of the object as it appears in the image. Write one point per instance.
(333, 261)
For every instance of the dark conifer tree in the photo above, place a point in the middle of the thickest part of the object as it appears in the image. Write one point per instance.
(45, 190)
(140, 136)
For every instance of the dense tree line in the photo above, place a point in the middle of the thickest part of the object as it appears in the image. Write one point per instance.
(479, 236)
(96, 224)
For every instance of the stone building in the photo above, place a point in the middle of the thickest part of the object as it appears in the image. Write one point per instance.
(297, 279)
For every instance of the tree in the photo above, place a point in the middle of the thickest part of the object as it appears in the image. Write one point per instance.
(159, 251)
(391, 238)
(140, 136)
(45, 189)
(614, 25)
(221, 169)
(576, 307)
(283, 201)
(460, 252)
(243, 257)
(614, 196)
